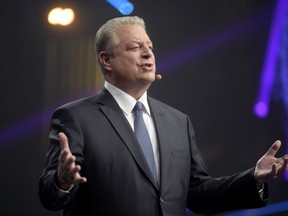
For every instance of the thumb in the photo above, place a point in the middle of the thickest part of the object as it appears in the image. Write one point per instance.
(274, 148)
(63, 141)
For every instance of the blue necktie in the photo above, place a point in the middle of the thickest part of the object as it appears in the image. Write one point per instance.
(143, 138)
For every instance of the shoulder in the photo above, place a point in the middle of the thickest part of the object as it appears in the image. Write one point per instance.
(89, 101)
(81, 102)
(163, 107)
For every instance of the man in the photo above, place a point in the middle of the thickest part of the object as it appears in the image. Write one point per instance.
(95, 164)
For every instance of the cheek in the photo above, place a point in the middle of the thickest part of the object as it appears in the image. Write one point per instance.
(132, 60)
(129, 64)
(126, 63)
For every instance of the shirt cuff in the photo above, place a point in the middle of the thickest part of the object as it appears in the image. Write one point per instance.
(260, 189)
(63, 193)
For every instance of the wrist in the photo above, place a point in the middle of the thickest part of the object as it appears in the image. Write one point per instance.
(61, 183)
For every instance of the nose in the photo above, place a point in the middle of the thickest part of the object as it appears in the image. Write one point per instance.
(147, 52)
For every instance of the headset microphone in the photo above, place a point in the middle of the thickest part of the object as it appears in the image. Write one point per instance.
(158, 76)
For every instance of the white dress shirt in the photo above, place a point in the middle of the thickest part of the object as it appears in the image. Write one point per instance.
(127, 103)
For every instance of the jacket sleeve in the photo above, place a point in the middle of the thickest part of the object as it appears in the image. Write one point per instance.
(50, 195)
(209, 195)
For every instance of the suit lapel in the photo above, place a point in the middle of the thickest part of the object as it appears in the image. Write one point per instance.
(115, 115)
(163, 140)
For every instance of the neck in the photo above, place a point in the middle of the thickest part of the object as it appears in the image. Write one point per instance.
(136, 91)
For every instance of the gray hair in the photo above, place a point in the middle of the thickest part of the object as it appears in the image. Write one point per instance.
(106, 39)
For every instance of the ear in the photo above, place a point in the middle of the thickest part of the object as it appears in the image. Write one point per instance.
(105, 60)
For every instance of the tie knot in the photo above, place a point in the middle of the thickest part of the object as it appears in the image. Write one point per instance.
(138, 106)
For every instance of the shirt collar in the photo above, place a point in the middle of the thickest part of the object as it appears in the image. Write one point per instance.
(125, 101)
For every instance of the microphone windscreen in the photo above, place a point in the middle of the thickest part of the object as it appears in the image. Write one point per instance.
(158, 77)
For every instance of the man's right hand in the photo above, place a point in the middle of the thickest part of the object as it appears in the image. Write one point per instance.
(68, 172)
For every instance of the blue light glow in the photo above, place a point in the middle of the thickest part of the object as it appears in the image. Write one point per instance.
(123, 6)
(269, 210)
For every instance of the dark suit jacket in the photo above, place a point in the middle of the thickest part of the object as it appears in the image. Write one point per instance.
(119, 182)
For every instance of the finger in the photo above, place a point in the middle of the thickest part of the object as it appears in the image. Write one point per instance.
(274, 170)
(74, 177)
(74, 173)
(274, 148)
(63, 141)
(81, 180)
(286, 162)
(77, 177)
(63, 156)
(68, 164)
(65, 165)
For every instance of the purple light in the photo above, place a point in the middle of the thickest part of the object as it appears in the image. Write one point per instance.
(261, 109)
(187, 54)
(24, 128)
(276, 56)
(286, 175)
(33, 123)
(271, 59)
(190, 52)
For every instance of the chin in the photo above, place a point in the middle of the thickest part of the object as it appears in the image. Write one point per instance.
(151, 78)
(147, 81)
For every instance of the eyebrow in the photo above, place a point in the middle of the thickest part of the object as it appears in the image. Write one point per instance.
(139, 41)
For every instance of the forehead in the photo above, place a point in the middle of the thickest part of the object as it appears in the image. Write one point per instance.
(132, 33)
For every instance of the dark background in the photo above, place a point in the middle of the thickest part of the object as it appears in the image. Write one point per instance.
(210, 54)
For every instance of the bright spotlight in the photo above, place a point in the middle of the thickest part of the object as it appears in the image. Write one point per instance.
(123, 6)
(61, 16)
(261, 109)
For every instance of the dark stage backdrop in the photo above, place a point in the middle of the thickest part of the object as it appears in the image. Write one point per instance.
(210, 54)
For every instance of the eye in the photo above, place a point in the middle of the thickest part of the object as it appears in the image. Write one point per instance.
(150, 46)
(134, 48)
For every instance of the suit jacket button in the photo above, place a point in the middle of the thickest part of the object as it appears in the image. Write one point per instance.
(161, 200)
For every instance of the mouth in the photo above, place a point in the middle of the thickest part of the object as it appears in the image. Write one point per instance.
(147, 66)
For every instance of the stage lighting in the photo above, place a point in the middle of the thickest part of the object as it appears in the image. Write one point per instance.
(123, 6)
(61, 16)
(261, 109)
